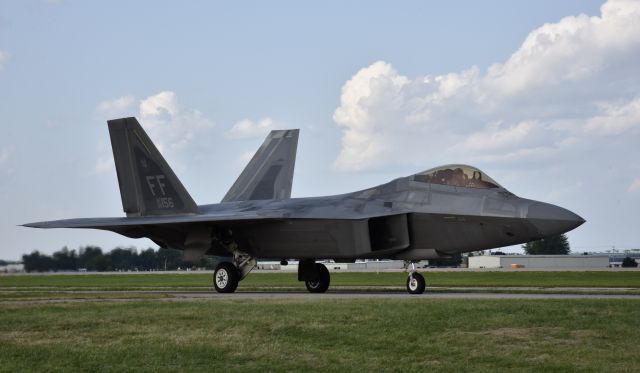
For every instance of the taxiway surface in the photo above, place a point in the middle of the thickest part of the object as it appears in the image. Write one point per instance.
(308, 297)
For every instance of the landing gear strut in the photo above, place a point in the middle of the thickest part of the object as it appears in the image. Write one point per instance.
(227, 275)
(315, 276)
(415, 281)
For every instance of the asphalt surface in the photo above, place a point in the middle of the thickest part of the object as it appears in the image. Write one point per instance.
(304, 296)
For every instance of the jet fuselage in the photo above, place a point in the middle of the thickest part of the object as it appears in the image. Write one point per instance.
(403, 219)
(436, 213)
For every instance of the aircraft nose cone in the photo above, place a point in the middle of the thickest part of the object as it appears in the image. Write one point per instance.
(551, 219)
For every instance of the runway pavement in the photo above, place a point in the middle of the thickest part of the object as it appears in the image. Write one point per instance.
(173, 296)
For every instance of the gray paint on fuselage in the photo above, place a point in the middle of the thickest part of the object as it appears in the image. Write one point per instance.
(439, 212)
(442, 220)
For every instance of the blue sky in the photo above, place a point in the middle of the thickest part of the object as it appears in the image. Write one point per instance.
(543, 96)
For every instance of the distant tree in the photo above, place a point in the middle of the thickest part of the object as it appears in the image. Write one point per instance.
(29, 262)
(170, 259)
(629, 262)
(102, 263)
(65, 260)
(147, 260)
(123, 259)
(92, 259)
(554, 245)
(37, 262)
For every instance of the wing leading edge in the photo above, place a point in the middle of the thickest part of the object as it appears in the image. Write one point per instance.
(105, 223)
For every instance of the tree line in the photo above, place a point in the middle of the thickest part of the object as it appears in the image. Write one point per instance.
(92, 258)
(554, 245)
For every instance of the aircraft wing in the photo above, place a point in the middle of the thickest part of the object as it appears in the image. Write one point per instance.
(107, 223)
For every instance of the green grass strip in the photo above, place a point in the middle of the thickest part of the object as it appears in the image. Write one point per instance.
(629, 279)
(323, 335)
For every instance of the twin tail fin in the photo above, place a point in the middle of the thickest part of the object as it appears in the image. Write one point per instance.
(148, 186)
(269, 174)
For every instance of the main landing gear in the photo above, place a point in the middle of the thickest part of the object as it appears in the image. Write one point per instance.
(227, 275)
(226, 278)
(315, 276)
(415, 281)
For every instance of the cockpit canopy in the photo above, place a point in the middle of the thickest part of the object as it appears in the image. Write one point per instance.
(458, 175)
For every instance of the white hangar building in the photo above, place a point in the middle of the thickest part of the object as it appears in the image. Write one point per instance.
(539, 261)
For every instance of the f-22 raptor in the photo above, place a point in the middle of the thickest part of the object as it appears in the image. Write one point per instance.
(432, 214)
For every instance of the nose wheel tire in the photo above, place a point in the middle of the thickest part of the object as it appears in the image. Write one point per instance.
(321, 284)
(415, 283)
(225, 278)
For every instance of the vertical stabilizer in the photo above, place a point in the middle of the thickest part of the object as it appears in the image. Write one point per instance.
(148, 186)
(269, 174)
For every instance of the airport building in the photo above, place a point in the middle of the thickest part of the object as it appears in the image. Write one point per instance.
(12, 268)
(539, 261)
(616, 259)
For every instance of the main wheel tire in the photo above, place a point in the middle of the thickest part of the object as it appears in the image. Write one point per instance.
(322, 282)
(225, 278)
(415, 283)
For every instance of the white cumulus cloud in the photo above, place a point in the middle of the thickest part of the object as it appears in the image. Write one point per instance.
(247, 128)
(568, 83)
(371, 98)
(169, 124)
(616, 118)
(118, 107)
(173, 125)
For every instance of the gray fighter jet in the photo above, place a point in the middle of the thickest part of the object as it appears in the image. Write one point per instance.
(432, 214)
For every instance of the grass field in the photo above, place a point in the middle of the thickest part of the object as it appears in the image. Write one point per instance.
(129, 286)
(329, 335)
(608, 279)
(131, 322)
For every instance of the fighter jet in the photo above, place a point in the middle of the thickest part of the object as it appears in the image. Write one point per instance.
(432, 214)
